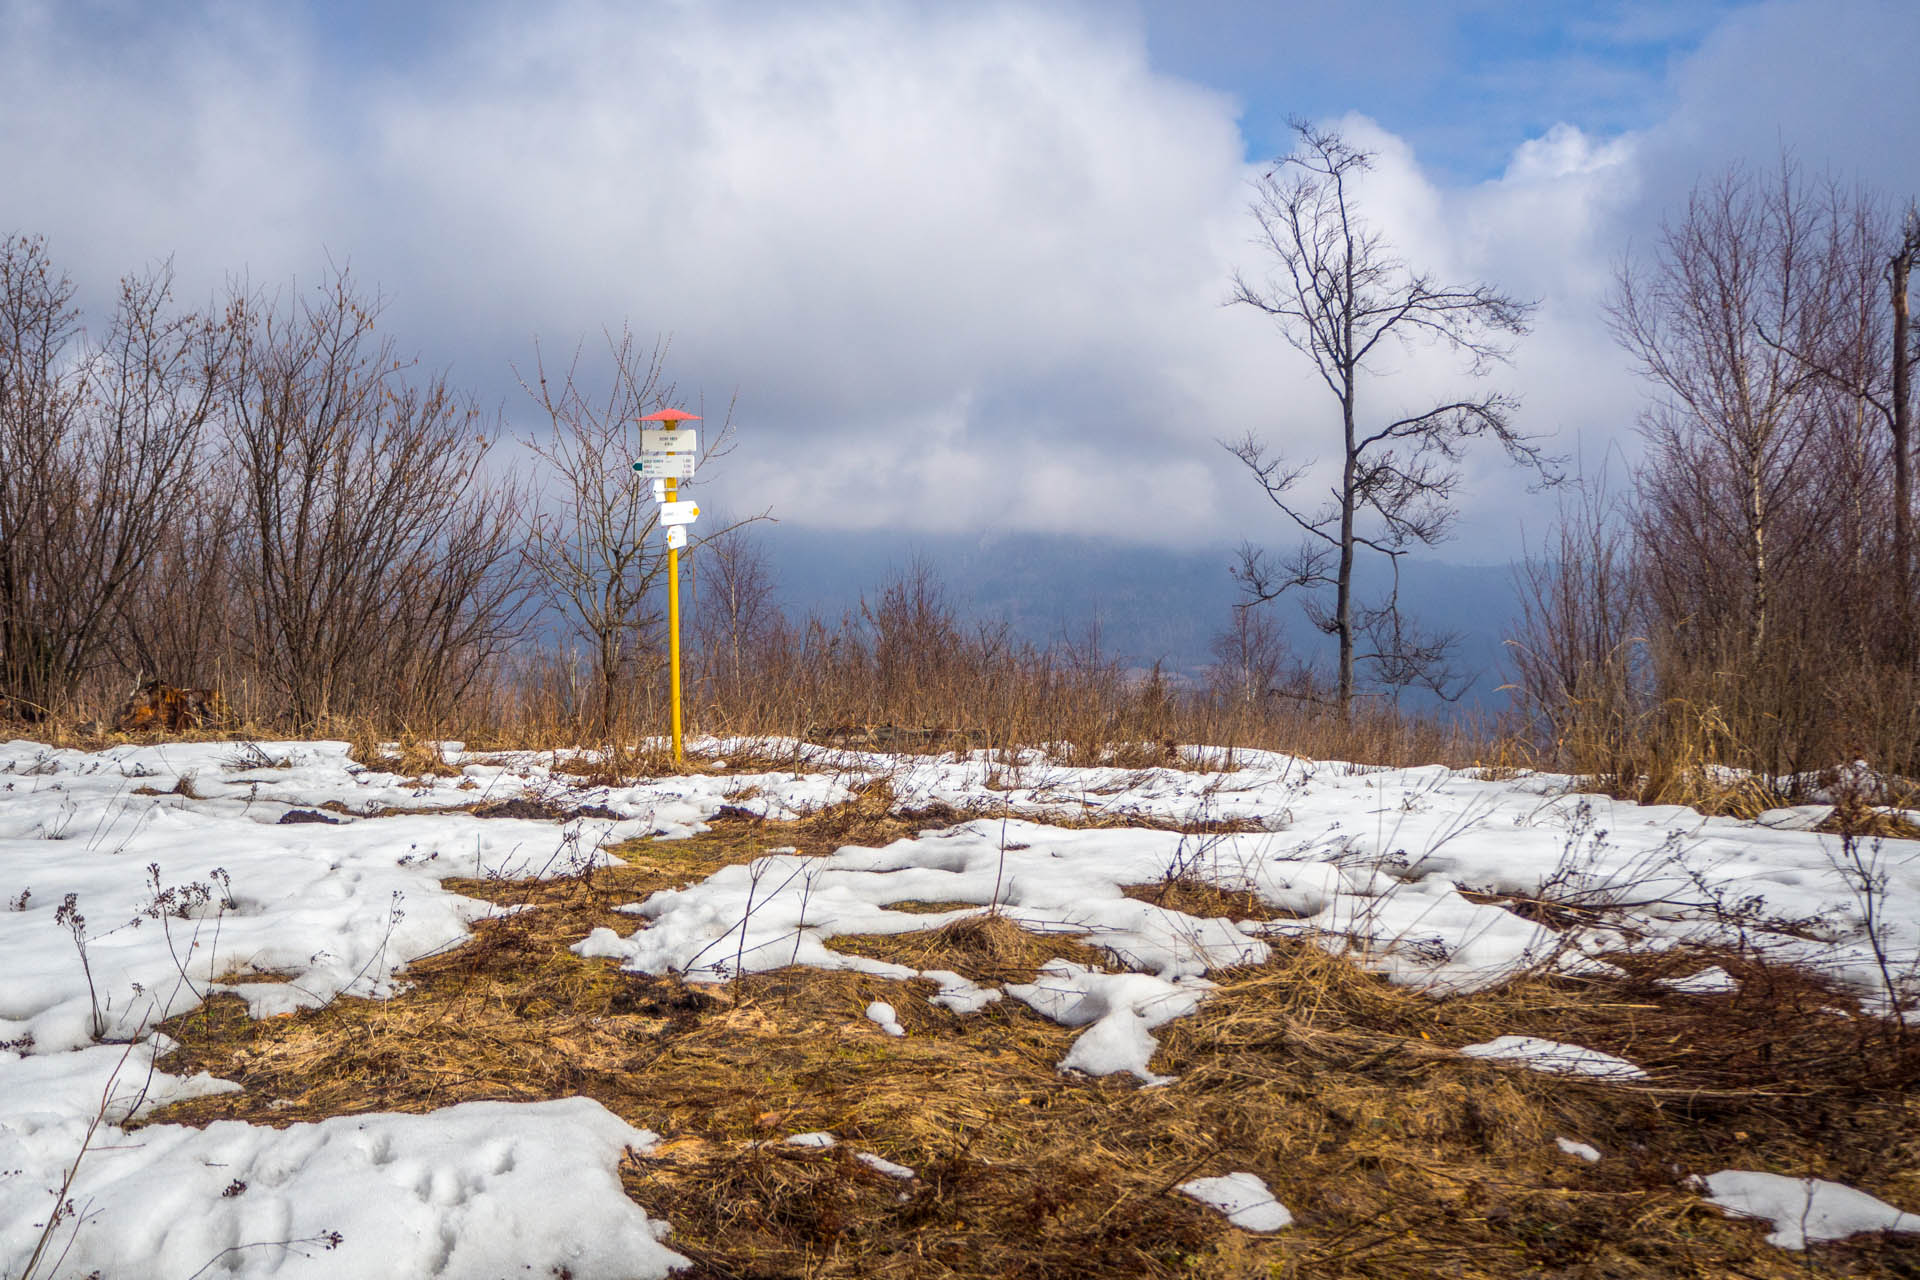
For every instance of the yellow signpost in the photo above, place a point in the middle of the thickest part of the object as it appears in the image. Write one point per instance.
(672, 461)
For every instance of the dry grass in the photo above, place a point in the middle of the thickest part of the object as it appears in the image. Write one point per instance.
(411, 756)
(909, 674)
(987, 948)
(1854, 816)
(1204, 900)
(1668, 754)
(1398, 1157)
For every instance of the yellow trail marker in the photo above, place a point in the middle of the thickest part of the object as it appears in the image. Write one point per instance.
(673, 631)
(670, 467)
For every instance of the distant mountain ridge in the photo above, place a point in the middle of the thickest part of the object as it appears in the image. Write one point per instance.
(1149, 603)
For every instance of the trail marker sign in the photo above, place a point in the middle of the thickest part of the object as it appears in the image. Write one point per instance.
(667, 455)
(665, 466)
(657, 440)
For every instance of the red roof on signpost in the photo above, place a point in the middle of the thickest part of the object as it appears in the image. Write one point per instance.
(671, 415)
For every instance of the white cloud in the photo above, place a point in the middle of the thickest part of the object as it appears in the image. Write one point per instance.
(964, 265)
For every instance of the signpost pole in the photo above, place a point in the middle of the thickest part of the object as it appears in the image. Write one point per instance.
(673, 630)
(668, 455)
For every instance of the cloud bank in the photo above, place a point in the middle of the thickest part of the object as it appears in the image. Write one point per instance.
(963, 266)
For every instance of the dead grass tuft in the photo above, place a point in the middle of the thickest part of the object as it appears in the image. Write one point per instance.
(929, 907)
(248, 974)
(868, 820)
(1878, 824)
(411, 756)
(1205, 900)
(987, 947)
(1128, 819)
(620, 764)
(1854, 815)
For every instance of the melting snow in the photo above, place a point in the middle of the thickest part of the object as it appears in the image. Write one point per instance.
(1556, 1058)
(881, 1014)
(822, 1140)
(1403, 870)
(1119, 1010)
(1590, 1154)
(455, 1193)
(959, 994)
(1244, 1198)
(881, 1165)
(1714, 981)
(1803, 1209)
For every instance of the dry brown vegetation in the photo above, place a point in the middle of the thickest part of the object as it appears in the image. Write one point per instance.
(268, 501)
(265, 498)
(1397, 1156)
(1749, 601)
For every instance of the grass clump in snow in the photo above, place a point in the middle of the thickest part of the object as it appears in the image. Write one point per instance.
(1198, 897)
(987, 947)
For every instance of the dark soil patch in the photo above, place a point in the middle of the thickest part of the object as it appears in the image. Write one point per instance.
(293, 817)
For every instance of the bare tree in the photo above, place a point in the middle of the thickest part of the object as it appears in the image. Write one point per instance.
(1249, 660)
(1337, 294)
(1737, 607)
(98, 447)
(186, 621)
(587, 543)
(1733, 423)
(1899, 413)
(735, 613)
(1864, 357)
(918, 646)
(380, 567)
(1580, 661)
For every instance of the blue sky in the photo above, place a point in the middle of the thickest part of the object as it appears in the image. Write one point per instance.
(1458, 80)
(981, 248)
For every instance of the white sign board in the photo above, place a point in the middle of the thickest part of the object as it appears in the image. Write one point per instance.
(659, 490)
(684, 440)
(676, 536)
(665, 466)
(672, 513)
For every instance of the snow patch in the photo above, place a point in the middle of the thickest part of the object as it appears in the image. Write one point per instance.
(1119, 1010)
(1590, 1154)
(880, 1164)
(818, 1139)
(459, 1192)
(881, 1014)
(958, 994)
(1243, 1197)
(1714, 981)
(1803, 1209)
(1556, 1058)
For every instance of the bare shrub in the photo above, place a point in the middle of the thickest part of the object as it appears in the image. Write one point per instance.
(98, 448)
(736, 621)
(1745, 605)
(379, 564)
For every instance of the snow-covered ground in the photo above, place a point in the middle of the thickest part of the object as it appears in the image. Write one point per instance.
(1368, 860)
(133, 879)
